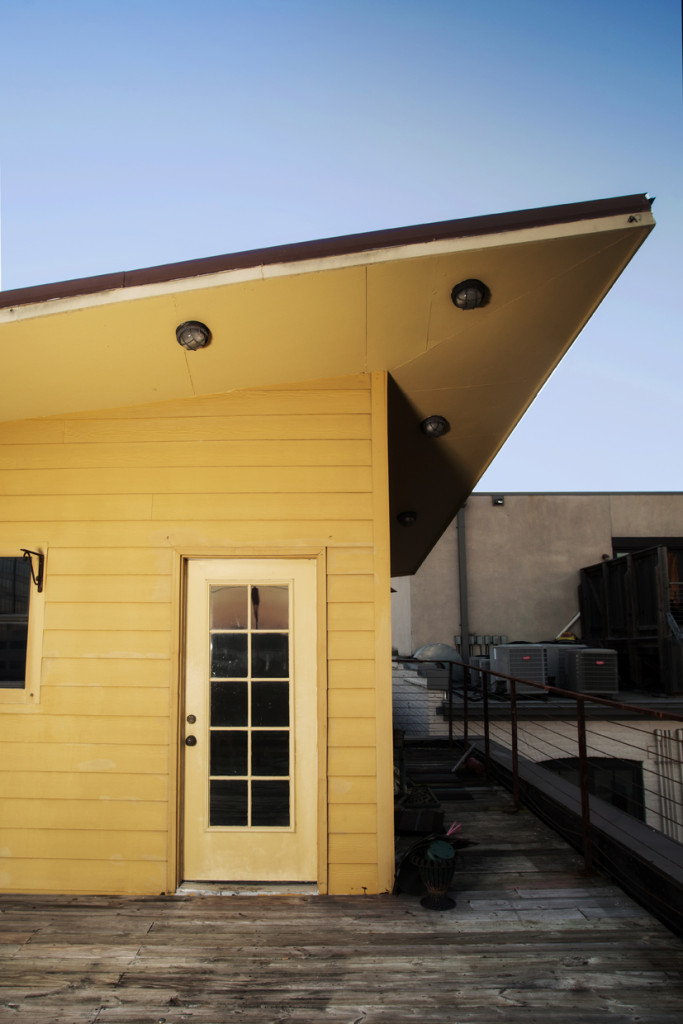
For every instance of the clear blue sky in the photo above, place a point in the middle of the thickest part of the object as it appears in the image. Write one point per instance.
(143, 132)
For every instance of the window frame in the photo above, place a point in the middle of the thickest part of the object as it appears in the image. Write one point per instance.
(29, 694)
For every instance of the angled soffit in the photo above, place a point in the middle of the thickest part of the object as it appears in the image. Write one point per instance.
(374, 302)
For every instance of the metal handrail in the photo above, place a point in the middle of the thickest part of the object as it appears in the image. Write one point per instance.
(581, 699)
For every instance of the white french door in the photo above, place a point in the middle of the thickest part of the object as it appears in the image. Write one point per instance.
(250, 780)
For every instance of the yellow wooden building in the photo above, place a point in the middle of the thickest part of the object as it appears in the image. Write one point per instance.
(196, 543)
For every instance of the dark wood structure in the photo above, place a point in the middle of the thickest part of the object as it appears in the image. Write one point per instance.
(634, 604)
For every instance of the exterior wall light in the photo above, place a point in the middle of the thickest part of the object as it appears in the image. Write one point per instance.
(435, 426)
(407, 518)
(470, 294)
(193, 335)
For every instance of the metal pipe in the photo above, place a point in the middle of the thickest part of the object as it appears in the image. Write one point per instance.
(569, 625)
(583, 783)
(462, 585)
(486, 678)
(514, 748)
(450, 703)
(466, 705)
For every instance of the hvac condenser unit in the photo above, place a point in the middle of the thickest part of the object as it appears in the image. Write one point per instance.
(525, 661)
(590, 670)
(478, 679)
(555, 653)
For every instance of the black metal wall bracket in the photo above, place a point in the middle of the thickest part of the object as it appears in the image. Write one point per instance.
(28, 557)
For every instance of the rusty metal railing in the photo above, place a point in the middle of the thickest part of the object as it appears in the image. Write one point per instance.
(464, 689)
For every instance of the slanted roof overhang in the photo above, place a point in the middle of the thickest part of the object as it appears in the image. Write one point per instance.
(379, 301)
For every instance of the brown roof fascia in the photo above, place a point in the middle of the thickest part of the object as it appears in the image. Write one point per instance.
(325, 247)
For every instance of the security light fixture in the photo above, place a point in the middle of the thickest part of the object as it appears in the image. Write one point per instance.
(407, 518)
(498, 499)
(470, 294)
(193, 334)
(435, 426)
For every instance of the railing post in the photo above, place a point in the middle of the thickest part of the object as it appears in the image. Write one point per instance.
(485, 677)
(450, 703)
(466, 706)
(583, 783)
(515, 755)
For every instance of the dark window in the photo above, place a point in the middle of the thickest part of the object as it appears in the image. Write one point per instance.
(614, 779)
(15, 583)
(250, 707)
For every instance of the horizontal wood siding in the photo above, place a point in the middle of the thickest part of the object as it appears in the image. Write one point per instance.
(352, 755)
(87, 783)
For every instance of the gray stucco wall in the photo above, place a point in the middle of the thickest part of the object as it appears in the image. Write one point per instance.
(523, 560)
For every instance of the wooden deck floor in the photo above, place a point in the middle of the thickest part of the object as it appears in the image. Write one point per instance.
(530, 941)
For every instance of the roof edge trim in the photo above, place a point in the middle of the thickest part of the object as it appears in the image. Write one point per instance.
(467, 227)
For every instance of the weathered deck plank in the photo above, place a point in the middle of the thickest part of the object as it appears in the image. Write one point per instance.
(530, 937)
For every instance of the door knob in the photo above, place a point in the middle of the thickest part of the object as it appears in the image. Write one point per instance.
(191, 741)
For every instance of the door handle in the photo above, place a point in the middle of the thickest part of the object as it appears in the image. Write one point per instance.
(191, 741)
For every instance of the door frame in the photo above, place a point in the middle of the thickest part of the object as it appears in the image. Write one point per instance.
(176, 760)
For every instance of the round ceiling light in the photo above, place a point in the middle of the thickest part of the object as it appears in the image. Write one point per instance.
(470, 294)
(435, 426)
(193, 334)
(407, 518)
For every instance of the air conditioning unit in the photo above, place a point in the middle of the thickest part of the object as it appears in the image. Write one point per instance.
(554, 653)
(479, 679)
(590, 670)
(436, 676)
(525, 661)
(476, 675)
(436, 668)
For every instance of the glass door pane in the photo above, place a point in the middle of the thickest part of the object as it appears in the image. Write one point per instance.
(250, 706)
